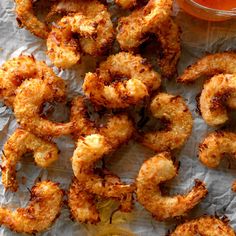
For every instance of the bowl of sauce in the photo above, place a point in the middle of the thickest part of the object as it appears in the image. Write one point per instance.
(211, 10)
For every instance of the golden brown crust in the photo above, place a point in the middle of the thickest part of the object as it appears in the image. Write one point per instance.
(155, 171)
(218, 93)
(126, 4)
(14, 71)
(40, 213)
(174, 111)
(30, 96)
(223, 62)
(19, 143)
(26, 18)
(102, 91)
(205, 225)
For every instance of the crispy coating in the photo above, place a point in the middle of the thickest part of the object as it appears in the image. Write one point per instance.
(19, 143)
(218, 94)
(178, 119)
(30, 97)
(40, 213)
(168, 34)
(98, 44)
(126, 4)
(205, 225)
(155, 171)
(133, 29)
(212, 64)
(102, 90)
(215, 146)
(16, 70)
(27, 19)
(89, 150)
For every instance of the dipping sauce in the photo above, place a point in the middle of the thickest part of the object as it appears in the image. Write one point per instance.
(211, 10)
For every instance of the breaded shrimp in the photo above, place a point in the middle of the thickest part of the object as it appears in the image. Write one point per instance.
(82, 203)
(205, 225)
(30, 97)
(126, 4)
(27, 19)
(175, 113)
(223, 62)
(61, 38)
(102, 91)
(89, 150)
(155, 171)
(168, 34)
(133, 29)
(41, 212)
(19, 143)
(14, 71)
(218, 93)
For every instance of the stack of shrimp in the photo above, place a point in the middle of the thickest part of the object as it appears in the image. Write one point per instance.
(121, 82)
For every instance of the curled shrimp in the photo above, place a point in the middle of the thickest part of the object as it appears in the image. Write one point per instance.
(132, 29)
(215, 146)
(19, 143)
(30, 97)
(223, 62)
(89, 150)
(82, 203)
(26, 18)
(218, 93)
(41, 212)
(159, 169)
(94, 26)
(102, 91)
(175, 113)
(16, 70)
(126, 4)
(205, 225)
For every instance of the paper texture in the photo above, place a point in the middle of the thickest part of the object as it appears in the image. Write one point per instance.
(198, 37)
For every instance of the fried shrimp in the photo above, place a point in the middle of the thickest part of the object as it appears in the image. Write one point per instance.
(89, 150)
(103, 89)
(218, 93)
(16, 70)
(168, 34)
(126, 4)
(26, 18)
(41, 212)
(19, 143)
(30, 97)
(205, 225)
(223, 62)
(133, 29)
(175, 113)
(155, 171)
(91, 21)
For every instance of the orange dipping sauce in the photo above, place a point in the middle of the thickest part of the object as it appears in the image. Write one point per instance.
(212, 10)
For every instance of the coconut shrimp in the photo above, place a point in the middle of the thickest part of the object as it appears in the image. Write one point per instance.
(16, 70)
(27, 19)
(223, 62)
(30, 97)
(41, 212)
(218, 93)
(168, 34)
(175, 113)
(102, 91)
(133, 29)
(19, 143)
(155, 171)
(89, 150)
(126, 4)
(205, 225)
(95, 28)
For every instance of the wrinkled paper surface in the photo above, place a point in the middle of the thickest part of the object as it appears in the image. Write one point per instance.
(198, 37)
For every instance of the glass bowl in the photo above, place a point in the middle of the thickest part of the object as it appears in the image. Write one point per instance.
(195, 9)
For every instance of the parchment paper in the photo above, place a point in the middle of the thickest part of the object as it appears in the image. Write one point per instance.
(198, 37)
